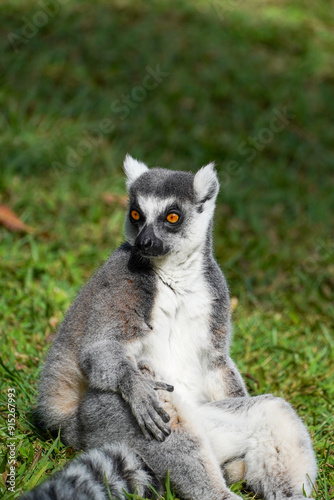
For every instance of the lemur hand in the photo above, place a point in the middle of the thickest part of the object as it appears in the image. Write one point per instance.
(145, 406)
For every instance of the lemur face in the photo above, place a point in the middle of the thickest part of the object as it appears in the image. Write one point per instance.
(157, 225)
(169, 212)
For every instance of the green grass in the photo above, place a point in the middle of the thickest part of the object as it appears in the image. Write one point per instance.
(227, 67)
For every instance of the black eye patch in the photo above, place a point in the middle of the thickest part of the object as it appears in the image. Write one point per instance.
(135, 215)
(171, 218)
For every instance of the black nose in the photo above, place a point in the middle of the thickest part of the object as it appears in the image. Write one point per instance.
(148, 243)
(145, 242)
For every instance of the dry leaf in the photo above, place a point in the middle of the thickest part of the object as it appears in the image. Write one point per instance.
(111, 198)
(36, 458)
(4, 476)
(21, 355)
(11, 220)
(53, 321)
(19, 366)
(234, 303)
(69, 451)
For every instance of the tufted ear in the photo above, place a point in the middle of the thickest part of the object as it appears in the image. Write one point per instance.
(206, 185)
(133, 169)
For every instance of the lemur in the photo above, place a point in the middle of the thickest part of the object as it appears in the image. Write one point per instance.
(140, 373)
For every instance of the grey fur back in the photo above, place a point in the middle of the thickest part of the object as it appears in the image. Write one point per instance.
(120, 289)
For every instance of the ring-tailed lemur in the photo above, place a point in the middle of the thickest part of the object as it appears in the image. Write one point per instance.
(156, 317)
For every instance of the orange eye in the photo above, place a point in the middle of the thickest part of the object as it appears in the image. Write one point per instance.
(172, 218)
(135, 215)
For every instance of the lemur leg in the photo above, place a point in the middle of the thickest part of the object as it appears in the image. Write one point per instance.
(194, 471)
(261, 440)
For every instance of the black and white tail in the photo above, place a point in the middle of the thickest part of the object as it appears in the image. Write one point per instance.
(87, 477)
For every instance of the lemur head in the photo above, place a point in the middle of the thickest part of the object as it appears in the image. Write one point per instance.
(169, 212)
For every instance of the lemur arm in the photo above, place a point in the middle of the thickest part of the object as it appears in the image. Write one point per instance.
(108, 368)
(223, 377)
(226, 380)
(232, 381)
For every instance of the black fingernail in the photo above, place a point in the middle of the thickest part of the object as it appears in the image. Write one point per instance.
(170, 388)
(166, 418)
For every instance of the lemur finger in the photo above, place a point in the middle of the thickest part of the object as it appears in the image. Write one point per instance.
(159, 409)
(158, 422)
(141, 424)
(153, 428)
(162, 386)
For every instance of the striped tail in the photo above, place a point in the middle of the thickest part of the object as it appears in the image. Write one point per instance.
(87, 477)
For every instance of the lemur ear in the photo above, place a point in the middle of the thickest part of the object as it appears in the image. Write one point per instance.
(133, 169)
(206, 185)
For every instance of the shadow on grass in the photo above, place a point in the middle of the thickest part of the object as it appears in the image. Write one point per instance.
(179, 86)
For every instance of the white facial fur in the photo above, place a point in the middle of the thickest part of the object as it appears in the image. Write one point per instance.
(197, 215)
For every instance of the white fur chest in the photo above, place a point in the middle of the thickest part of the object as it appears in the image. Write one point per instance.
(176, 347)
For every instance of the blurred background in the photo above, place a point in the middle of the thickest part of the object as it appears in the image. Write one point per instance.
(247, 84)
